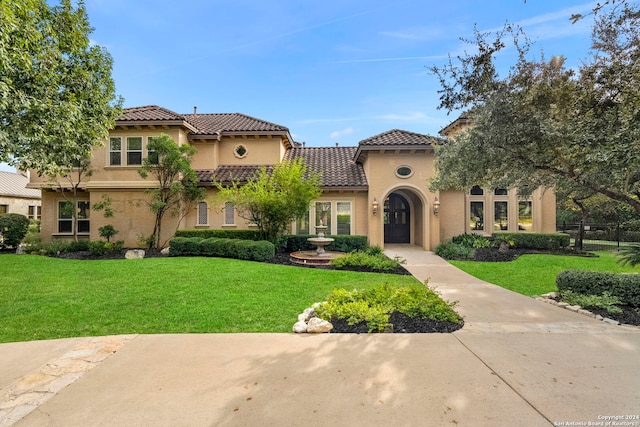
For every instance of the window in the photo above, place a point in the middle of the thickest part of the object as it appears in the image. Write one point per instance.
(525, 217)
(229, 214)
(4, 209)
(203, 214)
(240, 151)
(476, 190)
(35, 212)
(476, 217)
(500, 192)
(404, 171)
(115, 151)
(323, 215)
(343, 217)
(501, 216)
(134, 150)
(65, 217)
(302, 224)
(151, 154)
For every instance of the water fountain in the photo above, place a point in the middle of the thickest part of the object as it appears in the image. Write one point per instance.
(320, 256)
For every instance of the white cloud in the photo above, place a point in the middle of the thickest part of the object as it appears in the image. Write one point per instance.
(343, 132)
(415, 116)
(415, 33)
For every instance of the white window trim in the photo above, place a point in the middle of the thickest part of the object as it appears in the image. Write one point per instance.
(114, 151)
(126, 150)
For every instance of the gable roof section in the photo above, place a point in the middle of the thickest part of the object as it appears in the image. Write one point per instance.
(213, 124)
(465, 119)
(227, 174)
(336, 164)
(149, 113)
(15, 185)
(396, 139)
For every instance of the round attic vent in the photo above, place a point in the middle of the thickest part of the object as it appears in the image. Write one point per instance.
(404, 171)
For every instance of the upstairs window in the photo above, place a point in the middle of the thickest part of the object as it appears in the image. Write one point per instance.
(134, 150)
(203, 213)
(500, 192)
(115, 151)
(151, 154)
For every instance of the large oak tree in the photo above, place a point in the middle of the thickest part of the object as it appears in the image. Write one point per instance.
(57, 96)
(544, 124)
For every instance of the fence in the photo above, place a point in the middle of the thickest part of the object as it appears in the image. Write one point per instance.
(599, 237)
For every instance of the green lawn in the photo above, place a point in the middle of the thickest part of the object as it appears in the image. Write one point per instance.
(45, 298)
(536, 274)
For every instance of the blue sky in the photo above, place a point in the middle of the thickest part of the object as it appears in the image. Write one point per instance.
(332, 71)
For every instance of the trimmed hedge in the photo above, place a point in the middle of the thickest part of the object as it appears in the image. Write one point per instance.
(222, 234)
(341, 243)
(624, 286)
(228, 248)
(541, 241)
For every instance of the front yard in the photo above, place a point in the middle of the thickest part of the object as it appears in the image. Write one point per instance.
(46, 298)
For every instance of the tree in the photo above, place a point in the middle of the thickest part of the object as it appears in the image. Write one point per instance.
(69, 181)
(177, 189)
(13, 228)
(544, 124)
(274, 198)
(57, 97)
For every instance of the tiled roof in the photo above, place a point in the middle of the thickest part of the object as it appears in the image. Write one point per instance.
(229, 173)
(335, 163)
(465, 118)
(149, 112)
(397, 137)
(211, 124)
(14, 185)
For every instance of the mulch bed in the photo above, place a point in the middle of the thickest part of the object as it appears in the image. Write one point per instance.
(629, 315)
(402, 324)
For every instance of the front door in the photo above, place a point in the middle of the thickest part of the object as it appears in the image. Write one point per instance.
(396, 220)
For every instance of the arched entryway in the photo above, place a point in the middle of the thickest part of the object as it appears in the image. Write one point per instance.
(397, 219)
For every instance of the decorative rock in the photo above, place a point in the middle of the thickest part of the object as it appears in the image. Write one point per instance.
(586, 313)
(550, 295)
(164, 251)
(134, 254)
(573, 308)
(318, 326)
(613, 322)
(563, 304)
(21, 249)
(300, 327)
(598, 317)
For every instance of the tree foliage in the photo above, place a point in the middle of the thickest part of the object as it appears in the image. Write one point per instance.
(177, 184)
(57, 97)
(545, 124)
(273, 199)
(13, 228)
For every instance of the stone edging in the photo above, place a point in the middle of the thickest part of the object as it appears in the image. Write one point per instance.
(549, 299)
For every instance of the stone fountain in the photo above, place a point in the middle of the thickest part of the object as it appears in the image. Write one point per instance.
(320, 256)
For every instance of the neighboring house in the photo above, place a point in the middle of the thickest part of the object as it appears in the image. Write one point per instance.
(379, 188)
(15, 197)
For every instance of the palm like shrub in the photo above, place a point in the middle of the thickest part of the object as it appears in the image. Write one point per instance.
(629, 255)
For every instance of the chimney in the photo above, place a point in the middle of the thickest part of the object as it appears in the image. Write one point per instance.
(304, 144)
(336, 145)
(195, 110)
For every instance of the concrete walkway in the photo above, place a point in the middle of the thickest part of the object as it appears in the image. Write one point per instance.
(517, 362)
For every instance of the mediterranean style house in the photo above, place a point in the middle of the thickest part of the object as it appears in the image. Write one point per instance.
(15, 197)
(379, 188)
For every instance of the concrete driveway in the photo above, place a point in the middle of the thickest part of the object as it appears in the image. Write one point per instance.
(517, 361)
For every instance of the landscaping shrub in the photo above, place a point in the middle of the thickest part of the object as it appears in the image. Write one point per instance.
(99, 247)
(473, 241)
(451, 250)
(624, 286)
(375, 306)
(539, 241)
(57, 247)
(227, 248)
(605, 301)
(377, 262)
(13, 228)
(222, 234)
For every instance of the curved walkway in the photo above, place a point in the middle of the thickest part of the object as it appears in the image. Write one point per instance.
(517, 361)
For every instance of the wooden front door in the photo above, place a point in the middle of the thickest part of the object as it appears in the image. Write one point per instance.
(396, 220)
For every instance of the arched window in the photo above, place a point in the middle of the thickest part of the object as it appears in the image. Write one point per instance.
(476, 190)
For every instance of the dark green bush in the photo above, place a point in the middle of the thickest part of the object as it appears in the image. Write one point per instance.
(242, 249)
(539, 241)
(624, 286)
(263, 250)
(13, 228)
(474, 241)
(210, 246)
(377, 262)
(227, 248)
(99, 247)
(451, 250)
(222, 234)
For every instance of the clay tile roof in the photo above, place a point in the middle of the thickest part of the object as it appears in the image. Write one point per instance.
(149, 112)
(397, 137)
(15, 185)
(210, 124)
(335, 163)
(229, 173)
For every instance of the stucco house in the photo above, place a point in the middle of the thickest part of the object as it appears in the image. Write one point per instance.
(379, 188)
(15, 197)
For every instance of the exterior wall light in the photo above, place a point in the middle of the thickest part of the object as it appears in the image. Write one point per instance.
(374, 207)
(436, 206)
